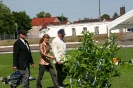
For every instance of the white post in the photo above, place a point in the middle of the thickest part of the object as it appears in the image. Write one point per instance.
(126, 44)
(108, 31)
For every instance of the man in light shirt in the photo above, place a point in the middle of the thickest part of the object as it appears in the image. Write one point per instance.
(59, 51)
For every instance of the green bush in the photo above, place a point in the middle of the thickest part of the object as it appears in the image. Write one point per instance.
(91, 65)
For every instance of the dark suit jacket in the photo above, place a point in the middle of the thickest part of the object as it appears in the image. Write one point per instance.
(21, 55)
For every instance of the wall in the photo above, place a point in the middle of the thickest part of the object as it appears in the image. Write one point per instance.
(34, 32)
(52, 30)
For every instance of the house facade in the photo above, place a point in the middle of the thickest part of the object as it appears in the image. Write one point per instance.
(41, 23)
(77, 29)
(39, 26)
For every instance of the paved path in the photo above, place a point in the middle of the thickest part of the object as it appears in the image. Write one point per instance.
(35, 47)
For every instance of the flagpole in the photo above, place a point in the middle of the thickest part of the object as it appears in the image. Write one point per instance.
(99, 11)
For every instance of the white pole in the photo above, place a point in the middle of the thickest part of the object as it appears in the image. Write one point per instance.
(126, 44)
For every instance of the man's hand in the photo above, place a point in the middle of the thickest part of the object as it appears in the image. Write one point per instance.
(33, 65)
(14, 68)
(59, 62)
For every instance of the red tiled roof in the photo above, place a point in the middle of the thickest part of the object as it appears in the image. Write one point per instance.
(91, 20)
(75, 22)
(64, 22)
(46, 21)
(50, 19)
(41, 21)
(37, 21)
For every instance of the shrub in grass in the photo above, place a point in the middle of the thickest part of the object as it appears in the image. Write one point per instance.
(91, 65)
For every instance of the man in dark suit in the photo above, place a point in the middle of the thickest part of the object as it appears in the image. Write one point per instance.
(22, 58)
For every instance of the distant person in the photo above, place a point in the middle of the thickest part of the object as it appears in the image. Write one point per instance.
(22, 58)
(44, 62)
(59, 51)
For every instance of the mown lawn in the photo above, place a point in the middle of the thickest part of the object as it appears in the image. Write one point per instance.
(122, 81)
(6, 69)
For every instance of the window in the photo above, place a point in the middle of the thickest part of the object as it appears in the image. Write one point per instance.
(73, 32)
(96, 29)
(84, 28)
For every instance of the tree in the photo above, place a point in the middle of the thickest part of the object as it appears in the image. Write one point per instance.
(22, 20)
(115, 15)
(86, 18)
(7, 23)
(62, 18)
(105, 16)
(42, 14)
(47, 15)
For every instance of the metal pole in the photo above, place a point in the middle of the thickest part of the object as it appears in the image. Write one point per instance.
(16, 30)
(99, 11)
(62, 19)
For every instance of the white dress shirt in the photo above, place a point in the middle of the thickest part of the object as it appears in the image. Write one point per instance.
(58, 49)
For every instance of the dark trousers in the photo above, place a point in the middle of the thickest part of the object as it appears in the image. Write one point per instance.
(25, 77)
(50, 69)
(61, 73)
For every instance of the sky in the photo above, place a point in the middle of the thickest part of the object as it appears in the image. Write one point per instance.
(72, 9)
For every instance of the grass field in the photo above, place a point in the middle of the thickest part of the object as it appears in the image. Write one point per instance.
(122, 81)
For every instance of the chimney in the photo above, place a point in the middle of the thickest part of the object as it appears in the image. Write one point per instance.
(122, 10)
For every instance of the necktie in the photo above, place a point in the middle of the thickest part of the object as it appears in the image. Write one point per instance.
(26, 44)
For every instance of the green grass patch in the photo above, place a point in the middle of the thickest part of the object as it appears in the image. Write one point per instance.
(6, 70)
(122, 81)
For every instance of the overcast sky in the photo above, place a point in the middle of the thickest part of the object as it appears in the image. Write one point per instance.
(73, 9)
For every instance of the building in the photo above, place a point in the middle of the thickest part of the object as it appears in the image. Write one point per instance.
(119, 25)
(39, 24)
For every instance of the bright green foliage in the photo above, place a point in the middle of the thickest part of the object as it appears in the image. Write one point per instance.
(91, 66)
(7, 24)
